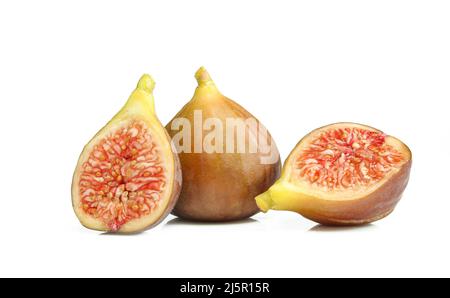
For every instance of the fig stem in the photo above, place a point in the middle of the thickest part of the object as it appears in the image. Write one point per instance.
(264, 201)
(142, 97)
(146, 83)
(203, 77)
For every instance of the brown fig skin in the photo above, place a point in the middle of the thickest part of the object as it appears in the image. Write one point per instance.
(220, 186)
(338, 208)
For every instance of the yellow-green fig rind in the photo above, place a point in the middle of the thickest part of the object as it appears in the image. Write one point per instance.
(348, 208)
(139, 107)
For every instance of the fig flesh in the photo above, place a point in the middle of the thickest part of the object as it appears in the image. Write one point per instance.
(342, 174)
(224, 165)
(128, 177)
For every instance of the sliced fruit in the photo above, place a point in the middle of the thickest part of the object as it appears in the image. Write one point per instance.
(219, 184)
(342, 174)
(128, 177)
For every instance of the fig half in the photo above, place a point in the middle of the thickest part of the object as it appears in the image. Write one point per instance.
(128, 177)
(227, 156)
(342, 174)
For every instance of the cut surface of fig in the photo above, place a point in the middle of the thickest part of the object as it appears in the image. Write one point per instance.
(346, 157)
(341, 174)
(124, 176)
(127, 178)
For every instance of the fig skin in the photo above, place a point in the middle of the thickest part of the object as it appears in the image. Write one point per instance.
(355, 209)
(139, 106)
(220, 186)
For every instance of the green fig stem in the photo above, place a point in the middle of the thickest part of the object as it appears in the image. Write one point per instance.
(146, 83)
(142, 97)
(203, 77)
(206, 87)
(264, 201)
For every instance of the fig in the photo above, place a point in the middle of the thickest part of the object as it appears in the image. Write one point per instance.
(227, 156)
(342, 174)
(128, 176)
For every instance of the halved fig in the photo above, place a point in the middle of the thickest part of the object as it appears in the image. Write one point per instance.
(128, 177)
(342, 174)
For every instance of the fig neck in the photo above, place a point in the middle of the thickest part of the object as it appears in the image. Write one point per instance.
(206, 86)
(142, 96)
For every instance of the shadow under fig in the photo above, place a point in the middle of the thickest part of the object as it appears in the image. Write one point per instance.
(324, 228)
(184, 222)
(121, 234)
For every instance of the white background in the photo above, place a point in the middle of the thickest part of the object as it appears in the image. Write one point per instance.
(67, 67)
